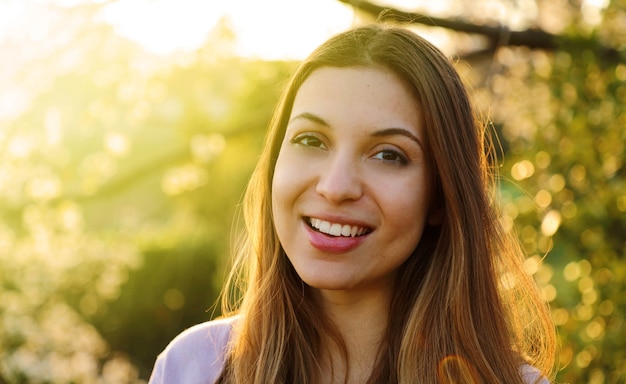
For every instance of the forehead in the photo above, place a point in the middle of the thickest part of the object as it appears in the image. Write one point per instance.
(362, 78)
(366, 96)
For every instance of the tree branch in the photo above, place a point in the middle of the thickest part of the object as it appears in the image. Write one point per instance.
(497, 36)
(532, 38)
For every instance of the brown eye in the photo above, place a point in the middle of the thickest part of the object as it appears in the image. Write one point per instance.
(391, 156)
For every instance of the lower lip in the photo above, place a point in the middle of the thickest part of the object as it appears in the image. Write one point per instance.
(332, 244)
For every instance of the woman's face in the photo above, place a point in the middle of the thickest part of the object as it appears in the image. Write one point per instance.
(351, 187)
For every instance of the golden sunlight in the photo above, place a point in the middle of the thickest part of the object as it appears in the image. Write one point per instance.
(273, 29)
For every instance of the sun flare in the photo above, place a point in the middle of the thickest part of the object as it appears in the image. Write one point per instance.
(274, 29)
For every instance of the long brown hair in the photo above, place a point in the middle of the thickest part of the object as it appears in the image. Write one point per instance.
(452, 318)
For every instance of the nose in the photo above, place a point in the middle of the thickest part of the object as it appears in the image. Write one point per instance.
(340, 180)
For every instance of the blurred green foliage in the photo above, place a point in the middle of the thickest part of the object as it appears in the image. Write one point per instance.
(563, 126)
(566, 133)
(119, 179)
(121, 173)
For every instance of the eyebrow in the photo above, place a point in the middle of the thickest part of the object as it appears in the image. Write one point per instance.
(382, 133)
(398, 131)
(311, 117)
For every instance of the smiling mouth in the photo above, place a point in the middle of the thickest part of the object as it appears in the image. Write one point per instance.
(336, 229)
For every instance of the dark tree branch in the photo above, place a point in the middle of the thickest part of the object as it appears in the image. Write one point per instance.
(497, 36)
(532, 38)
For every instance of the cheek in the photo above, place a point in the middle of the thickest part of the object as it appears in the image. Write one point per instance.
(285, 184)
(407, 206)
(280, 180)
(292, 174)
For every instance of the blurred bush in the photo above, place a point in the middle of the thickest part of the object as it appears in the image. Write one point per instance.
(564, 190)
(120, 174)
(562, 122)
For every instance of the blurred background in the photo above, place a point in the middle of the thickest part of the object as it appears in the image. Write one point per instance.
(128, 130)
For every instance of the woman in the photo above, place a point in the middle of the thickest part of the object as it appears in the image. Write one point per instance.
(373, 252)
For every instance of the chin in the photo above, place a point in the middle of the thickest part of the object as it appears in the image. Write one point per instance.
(326, 282)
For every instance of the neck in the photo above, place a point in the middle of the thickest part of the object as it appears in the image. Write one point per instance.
(361, 319)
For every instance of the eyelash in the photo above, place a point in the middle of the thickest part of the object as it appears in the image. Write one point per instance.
(304, 138)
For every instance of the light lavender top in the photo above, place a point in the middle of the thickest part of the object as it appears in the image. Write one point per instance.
(197, 356)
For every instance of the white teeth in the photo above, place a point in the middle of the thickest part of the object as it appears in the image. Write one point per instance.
(335, 229)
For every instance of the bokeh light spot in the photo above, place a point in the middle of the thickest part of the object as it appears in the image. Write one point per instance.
(117, 144)
(560, 316)
(522, 170)
(544, 274)
(571, 271)
(620, 72)
(543, 198)
(585, 284)
(184, 179)
(606, 308)
(531, 265)
(583, 359)
(206, 147)
(508, 281)
(543, 159)
(550, 223)
(549, 292)
(589, 297)
(577, 174)
(596, 376)
(44, 188)
(595, 328)
(585, 268)
(20, 147)
(556, 183)
(583, 312)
